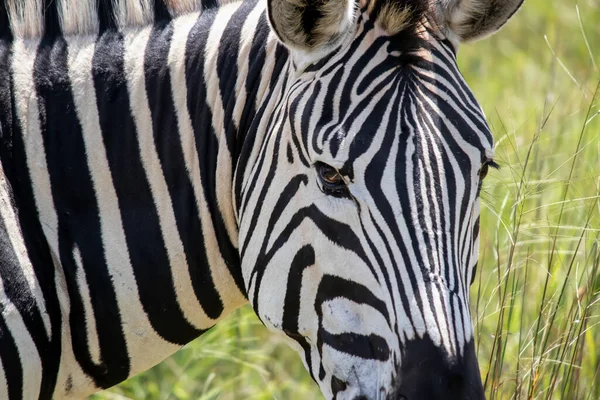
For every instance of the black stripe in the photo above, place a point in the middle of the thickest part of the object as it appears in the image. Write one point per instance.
(11, 363)
(106, 15)
(327, 114)
(367, 347)
(207, 142)
(304, 258)
(304, 96)
(5, 32)
(52, 26)
(371, 347)
(141, 224)
(308, 113)
(208, 4)
(170, 152)
(78, 217)
(161, 12)
(6, 110)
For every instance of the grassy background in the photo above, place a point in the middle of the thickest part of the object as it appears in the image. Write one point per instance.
(535, 299)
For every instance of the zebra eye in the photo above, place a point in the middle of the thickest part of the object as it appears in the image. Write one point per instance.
(332, 181)
(485, 168)
(483, 171)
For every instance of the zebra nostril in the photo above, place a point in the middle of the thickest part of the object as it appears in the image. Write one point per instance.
(456, 381)
(337, 385)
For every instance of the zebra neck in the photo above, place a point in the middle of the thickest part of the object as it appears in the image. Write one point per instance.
(122, 156)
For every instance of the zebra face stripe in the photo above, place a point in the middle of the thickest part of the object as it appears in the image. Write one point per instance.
(364, 277)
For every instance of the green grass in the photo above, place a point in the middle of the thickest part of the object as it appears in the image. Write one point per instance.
(535, 299)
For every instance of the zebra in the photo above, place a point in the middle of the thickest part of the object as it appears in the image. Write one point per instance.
(164, 162)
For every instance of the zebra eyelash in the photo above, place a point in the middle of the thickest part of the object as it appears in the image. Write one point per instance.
(483, 171)
(492, 164)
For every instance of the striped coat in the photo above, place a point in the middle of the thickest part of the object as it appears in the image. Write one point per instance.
(164, 162)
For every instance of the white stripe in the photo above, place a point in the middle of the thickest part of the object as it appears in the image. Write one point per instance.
(3, 383)
(90, 320)
(30, 359)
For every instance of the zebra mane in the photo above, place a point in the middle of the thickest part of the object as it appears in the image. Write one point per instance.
(34, 18)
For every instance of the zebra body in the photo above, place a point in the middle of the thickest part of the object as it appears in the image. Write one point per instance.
(156, 177)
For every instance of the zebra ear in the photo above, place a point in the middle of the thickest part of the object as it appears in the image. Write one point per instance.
(310, 24)
(473, 19)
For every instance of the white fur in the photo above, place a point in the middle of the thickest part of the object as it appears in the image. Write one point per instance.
(90, 320)
(3, 383)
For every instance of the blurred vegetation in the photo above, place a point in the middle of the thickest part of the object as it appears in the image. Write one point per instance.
(535, 298)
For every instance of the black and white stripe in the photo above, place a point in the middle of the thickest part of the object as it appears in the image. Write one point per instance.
(164, 162)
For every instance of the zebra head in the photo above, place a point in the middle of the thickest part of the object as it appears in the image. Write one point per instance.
(365, 178)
